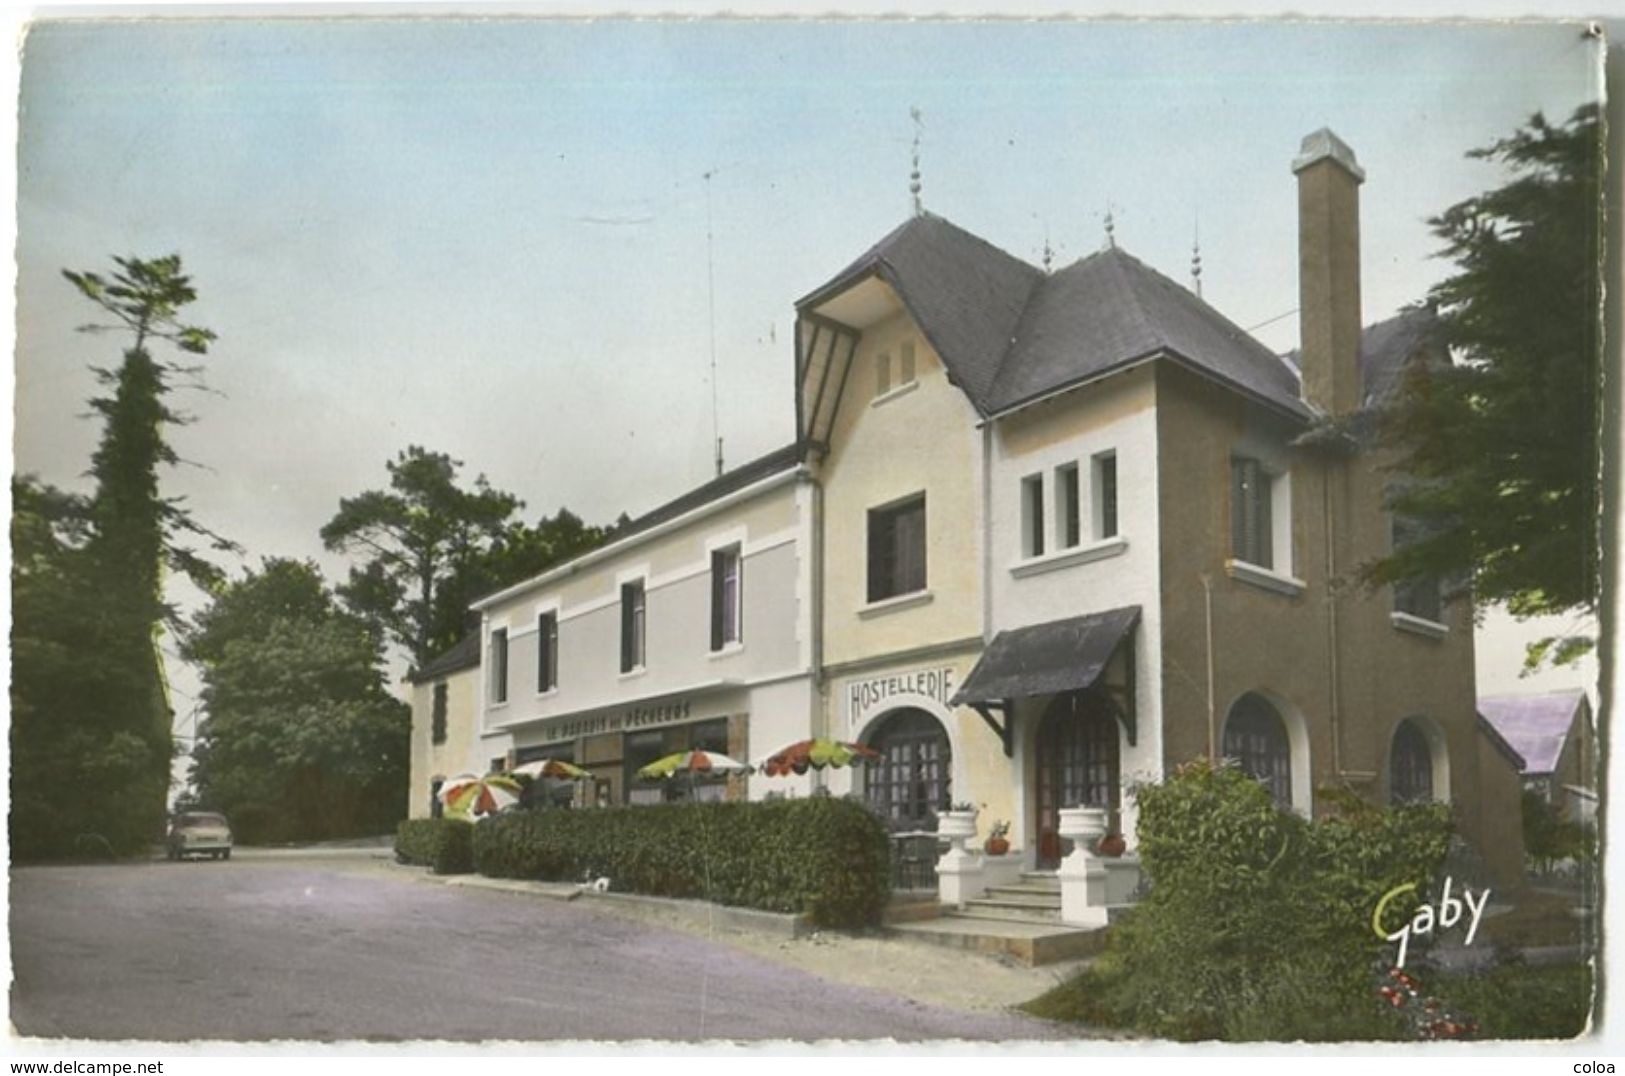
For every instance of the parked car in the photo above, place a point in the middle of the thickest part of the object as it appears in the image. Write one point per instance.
(199, 833)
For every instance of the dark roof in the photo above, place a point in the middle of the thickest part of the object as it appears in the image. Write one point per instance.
(465, 655)
(965, 294)
(1009, 333)
(1062, 655)
(1536, 726)
(1385, 349)
(1110, 309)
(780, 459)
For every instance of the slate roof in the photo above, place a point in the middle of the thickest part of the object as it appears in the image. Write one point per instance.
(780, 459)
(1062, 655)
(465, 655)
(1535, 725)
(1010, 334)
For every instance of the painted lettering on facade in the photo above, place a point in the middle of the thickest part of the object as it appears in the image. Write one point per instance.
(865, 696)
(636, 717)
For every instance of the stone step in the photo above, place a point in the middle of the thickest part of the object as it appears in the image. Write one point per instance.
(1042, 880)
(1026, 892)
(1018, 911)
(1029, 943)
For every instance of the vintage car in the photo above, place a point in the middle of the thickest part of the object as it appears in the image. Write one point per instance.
(199, 833)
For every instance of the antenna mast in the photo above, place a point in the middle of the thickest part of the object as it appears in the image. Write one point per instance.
(914, 175)
(711, 313)
(1196, 257)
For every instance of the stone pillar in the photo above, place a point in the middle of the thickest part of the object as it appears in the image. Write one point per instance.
(1083, 873)
(959, 877)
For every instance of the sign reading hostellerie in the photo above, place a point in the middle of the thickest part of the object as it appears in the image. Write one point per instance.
(863, 697)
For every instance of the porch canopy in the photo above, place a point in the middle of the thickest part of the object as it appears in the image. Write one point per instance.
(1048, 659)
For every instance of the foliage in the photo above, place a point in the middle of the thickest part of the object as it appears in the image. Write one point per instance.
(445, 844)
(1258, 923)
(431, 546)
(90, 738)
(302, 739)
(1548, 835)
(1518, 1001)
(1500, 445)
(822, 857)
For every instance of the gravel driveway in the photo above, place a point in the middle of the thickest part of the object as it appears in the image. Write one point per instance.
(330, 949)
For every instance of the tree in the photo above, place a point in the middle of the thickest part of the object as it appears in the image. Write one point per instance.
(91, 757)
(1499, 446)
(415, 536)
(520, 552)
(302, 739)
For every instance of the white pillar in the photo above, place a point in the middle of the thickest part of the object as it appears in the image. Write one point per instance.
(1083, 873)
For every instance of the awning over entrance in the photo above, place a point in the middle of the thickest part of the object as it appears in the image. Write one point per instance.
(1047, 659)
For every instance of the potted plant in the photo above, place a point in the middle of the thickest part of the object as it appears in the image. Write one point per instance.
(998, 839)
(1112, 845)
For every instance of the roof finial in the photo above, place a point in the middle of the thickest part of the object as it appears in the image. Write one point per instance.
(914, 176)
(1111, 228)
(1049, 251)
(1196, 257)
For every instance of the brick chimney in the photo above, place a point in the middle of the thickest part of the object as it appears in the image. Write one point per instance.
(1329, 181)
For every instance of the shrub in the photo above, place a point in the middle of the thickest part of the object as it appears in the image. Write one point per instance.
(445, 844)
(824, 858)
(1258, 923)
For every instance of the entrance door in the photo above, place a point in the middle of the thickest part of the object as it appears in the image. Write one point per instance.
(1077, 765)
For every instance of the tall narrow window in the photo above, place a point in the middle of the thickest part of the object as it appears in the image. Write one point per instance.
(547, 652)
(1032, 515)
(1105, 496)
(1251, 528)
(1415, 597)
(1066, 506)
(499, 665)
(1255, 736)
(905, 362)
(632, 626)
(882, 373)
(726, 598)
(897, 549)
(437, 719)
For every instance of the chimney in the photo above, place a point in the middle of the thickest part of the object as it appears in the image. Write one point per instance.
(1329, 181)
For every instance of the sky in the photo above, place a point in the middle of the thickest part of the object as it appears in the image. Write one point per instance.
(496, 238)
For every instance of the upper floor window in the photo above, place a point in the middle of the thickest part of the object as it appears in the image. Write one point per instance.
(1032, 515)
(1260, 515)
(726, 598)
(905, 362)
(1420, 597)
(1067, 529)
(897, 549)
(890, 375)
(437, 718)
(1104, 468)
(499, 665)
(547, 652)
(632, 626)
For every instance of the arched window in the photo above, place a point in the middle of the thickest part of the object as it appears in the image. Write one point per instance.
(909, 783)
(1255, 736)
(1410, 765)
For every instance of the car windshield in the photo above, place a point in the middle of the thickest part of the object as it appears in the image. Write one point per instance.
(190, 821)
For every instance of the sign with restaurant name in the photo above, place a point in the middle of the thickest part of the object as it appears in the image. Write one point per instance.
(634, 717)
(863, 697)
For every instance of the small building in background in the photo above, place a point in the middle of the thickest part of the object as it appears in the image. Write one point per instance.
(1554, 733)
(445, 715)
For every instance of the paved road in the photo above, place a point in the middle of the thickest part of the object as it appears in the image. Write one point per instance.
(331, 949)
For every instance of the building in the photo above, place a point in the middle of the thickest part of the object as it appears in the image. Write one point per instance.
(1043, 535)
(445, 722)
(1554, 734)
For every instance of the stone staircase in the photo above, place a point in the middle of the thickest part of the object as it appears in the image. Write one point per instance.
(1021, 921)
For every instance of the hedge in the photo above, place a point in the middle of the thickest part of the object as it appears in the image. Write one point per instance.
(825, 858)
(446, 844)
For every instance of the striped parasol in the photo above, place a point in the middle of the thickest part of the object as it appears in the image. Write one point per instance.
(807, 755)
(475, 797)
(693, 763)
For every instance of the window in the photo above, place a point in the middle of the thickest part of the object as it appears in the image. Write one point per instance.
(1415, 597)
(882, 373)
(1032, 515)
(1410, 765)
(1105, 495)
(437, 718)
(905, 363)
(632, 626)
(1251, 526)
(499, 665)
(547, 652)
(640, 749)
(726, 598)
(1067, 532)
(1255, 736)
(897, 549)
(909, 783)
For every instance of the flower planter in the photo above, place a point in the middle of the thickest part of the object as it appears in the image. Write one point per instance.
(996, 846)
(1083, 826)
(956, 825)
(1111, 846)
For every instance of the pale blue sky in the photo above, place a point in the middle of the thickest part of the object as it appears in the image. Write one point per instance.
(488, 237)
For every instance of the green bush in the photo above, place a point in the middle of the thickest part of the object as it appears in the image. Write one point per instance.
(1258, 923)
(824, 858)
(1517, 1001)
(445, 844)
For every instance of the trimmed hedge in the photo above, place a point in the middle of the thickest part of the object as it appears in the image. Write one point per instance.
(445, 844)
(822, 857)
